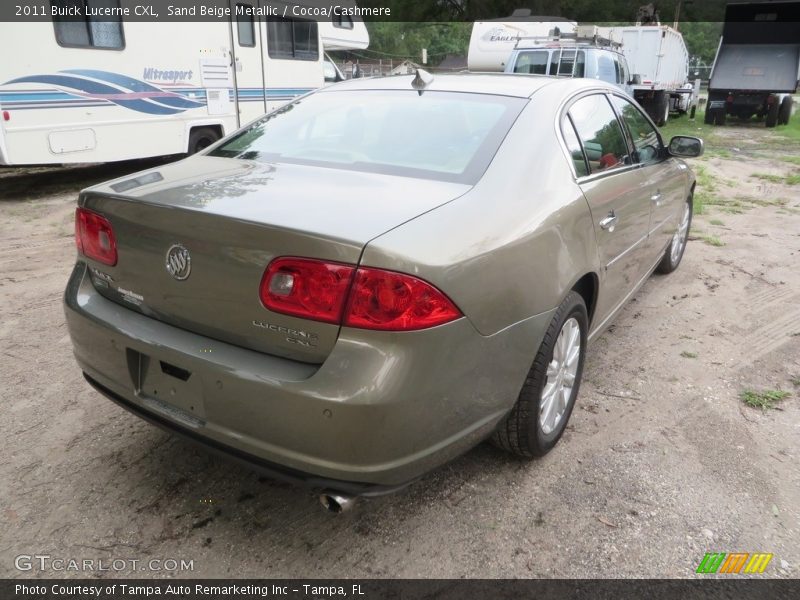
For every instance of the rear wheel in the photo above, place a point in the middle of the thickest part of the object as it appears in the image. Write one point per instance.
(674, 252)
(544, 405)
(772, 113)
(201, 138)
(720, 116)
(785, 111)
(662, 109)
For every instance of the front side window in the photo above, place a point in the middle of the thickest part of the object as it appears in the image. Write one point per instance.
(88, 32)
(600, 133)
(645, 137)
(292, 39)
(440, 135)
(532, 63)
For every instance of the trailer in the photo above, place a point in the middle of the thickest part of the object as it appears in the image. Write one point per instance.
(492, 42)
(658, 55)
(757, 65)
(87, 91)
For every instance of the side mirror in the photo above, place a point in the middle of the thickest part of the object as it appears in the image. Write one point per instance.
(685, 146)
(635, 80)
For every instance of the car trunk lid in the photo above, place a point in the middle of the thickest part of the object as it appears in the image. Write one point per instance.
(233, 217)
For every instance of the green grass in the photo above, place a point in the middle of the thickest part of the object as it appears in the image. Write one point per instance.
(712, 240)
(793, 179)
(716, 222)
(795, 160)
(765, 399)
(792, 130)
(687, 354)
(768, 177)
(704, 179)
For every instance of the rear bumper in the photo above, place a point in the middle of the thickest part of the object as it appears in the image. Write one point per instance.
(381, 411)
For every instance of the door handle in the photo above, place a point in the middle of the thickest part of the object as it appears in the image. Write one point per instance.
(609, 222)
(656, 199)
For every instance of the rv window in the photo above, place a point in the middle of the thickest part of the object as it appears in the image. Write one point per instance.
(534, 63)
(88, 32)
(343, 22)
(292, 39)
(245, 24)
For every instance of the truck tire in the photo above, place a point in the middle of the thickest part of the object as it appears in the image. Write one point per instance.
(720, 116)
(661, 108)
(772, 114)
(202, 137)
(708, 118)
(785, 111)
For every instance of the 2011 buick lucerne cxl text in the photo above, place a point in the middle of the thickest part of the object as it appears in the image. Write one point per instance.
(369, 281)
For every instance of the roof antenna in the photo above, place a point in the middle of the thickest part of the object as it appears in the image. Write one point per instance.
(421, 81)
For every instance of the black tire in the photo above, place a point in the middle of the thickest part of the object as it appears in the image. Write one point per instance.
(662, 109)
(202, 137)
(720, 116)
(709, 117)
(521, 433)
(772, 114)
(669, 262)
(785, 111)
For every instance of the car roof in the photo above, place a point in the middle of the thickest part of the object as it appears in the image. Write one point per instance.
(500, 84)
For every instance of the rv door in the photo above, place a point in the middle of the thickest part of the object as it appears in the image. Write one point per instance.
(248, 62)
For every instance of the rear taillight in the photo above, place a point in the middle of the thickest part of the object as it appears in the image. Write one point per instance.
(396, 302)
(361, 297)
(94, 237)
(307, 288)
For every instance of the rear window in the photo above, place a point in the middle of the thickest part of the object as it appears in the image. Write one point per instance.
(438, 135)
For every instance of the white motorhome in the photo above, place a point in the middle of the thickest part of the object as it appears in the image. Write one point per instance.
(492, 42)
(102, 91)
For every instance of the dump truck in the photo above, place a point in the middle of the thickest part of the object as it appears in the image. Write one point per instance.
(757, 66)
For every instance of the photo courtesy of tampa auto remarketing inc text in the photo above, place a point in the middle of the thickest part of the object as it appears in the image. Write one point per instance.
(399, 299)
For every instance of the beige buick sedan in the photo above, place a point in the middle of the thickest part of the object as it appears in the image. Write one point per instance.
(372, 279)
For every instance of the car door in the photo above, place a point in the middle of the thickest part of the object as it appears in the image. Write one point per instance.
(617, 199)
(663, 176)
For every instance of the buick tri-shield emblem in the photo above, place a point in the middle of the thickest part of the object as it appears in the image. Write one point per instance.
(179, 262)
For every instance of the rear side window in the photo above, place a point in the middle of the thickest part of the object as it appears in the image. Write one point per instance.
(599, 132)
(87, 32)
(292, 39)
(445, 136)
(532, 63)
(574, 148)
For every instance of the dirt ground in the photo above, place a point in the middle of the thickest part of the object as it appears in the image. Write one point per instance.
(662, 461)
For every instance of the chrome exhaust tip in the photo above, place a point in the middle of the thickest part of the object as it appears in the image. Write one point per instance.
(336, 502)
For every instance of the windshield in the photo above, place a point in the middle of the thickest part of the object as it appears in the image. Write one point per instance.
(437, 135)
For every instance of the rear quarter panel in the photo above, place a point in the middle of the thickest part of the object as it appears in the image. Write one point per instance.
(513, 246)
